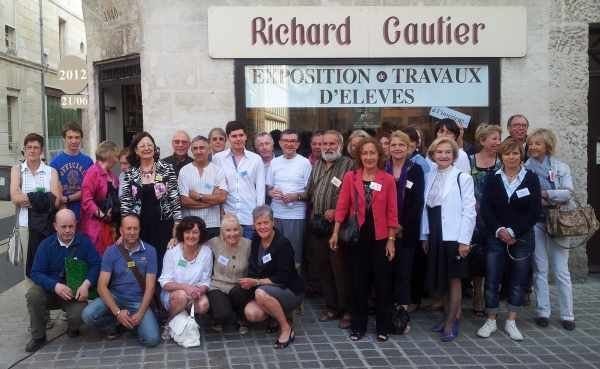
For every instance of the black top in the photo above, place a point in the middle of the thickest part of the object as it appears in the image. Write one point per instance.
(412, 206)
(520, 213)
(178, 162)
(281, 268)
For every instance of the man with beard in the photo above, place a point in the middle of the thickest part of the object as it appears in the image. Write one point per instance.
(323, 189)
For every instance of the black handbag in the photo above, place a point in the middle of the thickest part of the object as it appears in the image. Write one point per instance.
(320, 226)
(349, 231)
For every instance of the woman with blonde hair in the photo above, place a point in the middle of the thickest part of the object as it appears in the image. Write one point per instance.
(483, 164)
(99, 198)
(227, 299)
(355, 137)
(556, 184)
(446, 231)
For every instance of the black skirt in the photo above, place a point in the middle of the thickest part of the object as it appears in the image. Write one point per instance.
(443, 260)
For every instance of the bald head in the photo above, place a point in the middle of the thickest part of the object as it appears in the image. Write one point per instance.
(180, 143)
(65, 224)
(130, 230)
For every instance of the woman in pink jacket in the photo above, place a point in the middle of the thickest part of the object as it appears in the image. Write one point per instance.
(99, 198)
(372, 192)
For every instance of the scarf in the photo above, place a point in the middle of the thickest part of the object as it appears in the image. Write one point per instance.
(543, 170)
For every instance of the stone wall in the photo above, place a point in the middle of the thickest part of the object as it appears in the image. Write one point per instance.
(184, 88)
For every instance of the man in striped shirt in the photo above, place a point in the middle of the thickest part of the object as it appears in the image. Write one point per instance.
(203, 187)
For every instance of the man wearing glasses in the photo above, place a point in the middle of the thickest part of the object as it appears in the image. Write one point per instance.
(287, 179)
(181, 145)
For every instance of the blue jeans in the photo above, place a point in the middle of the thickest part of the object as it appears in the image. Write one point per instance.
(247, 231)
(497, 258)
(96, 314)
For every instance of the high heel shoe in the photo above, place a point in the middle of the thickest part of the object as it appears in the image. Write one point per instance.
(453, 334)
(438, 328)
(282, 345)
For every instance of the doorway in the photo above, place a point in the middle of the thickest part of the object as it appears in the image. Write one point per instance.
(120, 99)
(594, 142)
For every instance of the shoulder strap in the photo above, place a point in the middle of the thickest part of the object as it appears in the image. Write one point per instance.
(458, 181)
(136, 273)
(355, 193)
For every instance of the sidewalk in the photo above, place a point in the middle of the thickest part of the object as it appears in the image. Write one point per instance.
(323, 345)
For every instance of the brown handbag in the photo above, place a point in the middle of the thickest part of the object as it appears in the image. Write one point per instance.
(578, 222)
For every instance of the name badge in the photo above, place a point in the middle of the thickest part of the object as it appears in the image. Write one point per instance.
(208, 186)
(336, 182)
(182, 263)
(266, 258)
(375, 186)
(223, 260)
(131, 264)
(243, 173)
(523, 192)
(409, 184)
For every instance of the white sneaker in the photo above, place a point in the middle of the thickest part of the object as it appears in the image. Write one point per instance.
(488, 328)
(511, 329)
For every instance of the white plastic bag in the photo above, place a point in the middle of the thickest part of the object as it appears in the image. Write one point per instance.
(15, 248)
(184, 329)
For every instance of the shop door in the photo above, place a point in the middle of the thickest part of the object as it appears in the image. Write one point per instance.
(594, 142)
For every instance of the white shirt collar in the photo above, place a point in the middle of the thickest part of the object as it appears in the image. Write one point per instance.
(42, 168)
(64, 244)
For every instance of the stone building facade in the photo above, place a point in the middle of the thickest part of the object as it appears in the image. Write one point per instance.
(182, 87)
(21, 92)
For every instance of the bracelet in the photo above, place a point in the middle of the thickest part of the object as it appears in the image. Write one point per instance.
(118, 312)
(391, 238)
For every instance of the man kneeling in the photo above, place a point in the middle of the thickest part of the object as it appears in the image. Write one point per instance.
(50, 290)
(127, 302)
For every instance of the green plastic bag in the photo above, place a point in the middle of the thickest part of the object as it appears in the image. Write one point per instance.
(76, 272)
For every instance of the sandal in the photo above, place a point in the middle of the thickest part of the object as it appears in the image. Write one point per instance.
(327, 315)
(356, 336)
(381, 337)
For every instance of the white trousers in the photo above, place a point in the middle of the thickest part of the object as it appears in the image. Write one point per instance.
(548, 253)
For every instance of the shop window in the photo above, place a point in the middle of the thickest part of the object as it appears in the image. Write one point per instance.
(367, 94)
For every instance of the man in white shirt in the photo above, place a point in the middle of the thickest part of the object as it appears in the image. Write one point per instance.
(203, 187)
(287, 179)
(245, 175)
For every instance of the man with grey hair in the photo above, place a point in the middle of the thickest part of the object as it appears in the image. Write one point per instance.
(181, 145)
(263, 144)
(203, 187)
(53, 287)
(323, 189)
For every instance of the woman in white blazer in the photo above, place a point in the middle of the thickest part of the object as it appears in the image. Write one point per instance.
(446, 230)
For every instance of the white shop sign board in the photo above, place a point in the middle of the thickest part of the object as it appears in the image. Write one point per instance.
(367, 32)
(296, 86)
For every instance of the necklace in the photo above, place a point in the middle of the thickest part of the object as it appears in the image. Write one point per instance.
(147, 173)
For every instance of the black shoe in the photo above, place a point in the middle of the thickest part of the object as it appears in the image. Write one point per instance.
(568, 324)
(356, 335)
(542, 322)
(400, 320)
(35, 344)
(72, 332)
(282, 345)
(114, 333)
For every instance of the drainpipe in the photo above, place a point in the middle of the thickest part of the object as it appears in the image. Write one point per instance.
(43, 88)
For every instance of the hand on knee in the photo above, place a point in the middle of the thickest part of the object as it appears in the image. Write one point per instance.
(202, 305)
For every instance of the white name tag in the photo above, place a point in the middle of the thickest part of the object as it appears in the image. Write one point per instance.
(266, 258)
(223, 260)
(523, 192)
(336, 182)
(375, 186)
(409, 184)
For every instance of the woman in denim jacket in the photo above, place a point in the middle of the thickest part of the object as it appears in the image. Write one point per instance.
(557, 189)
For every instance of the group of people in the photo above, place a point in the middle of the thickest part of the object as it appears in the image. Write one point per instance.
(377, 224)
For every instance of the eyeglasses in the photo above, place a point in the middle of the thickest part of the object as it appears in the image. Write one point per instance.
(30, 148)
(145, 146)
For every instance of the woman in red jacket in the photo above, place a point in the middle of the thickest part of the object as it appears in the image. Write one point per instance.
(374, 192)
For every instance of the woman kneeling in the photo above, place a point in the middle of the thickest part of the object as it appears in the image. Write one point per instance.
(272, 274)
(187, 269)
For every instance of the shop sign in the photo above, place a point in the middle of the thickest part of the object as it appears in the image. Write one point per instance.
(443, 112)
(367, 32)
(296, 86)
